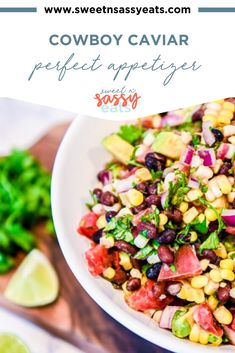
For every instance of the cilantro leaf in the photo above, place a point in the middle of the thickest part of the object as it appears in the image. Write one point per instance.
(195, 140)
(130, 133)
(212, 242)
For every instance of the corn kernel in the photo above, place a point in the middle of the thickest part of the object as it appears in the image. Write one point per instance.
(203, 336)
(224, 184)
(211, 112)
(125, 291)
(213, 302)
(143, 174)
(194, 194)
(157, 316)
(107, 242)
(109, 273)
(232, 140)
(211, 118)
(195, 295)
(231, 179)
(125, 261)
(210, 215)
(227, 275)
(210, 197)
(199, 281)
(204, 264)
(232, 293)
(183, 293)
(194, 333)
(229, 106)
(135, 197)
(201, 217)
(183, 207)
(204, 172)
(219, 203)
(217, 166)
(211, 288)
(218, 341)
(221, 251)
(124, 199)
(223, 120)
(226, 113)
(135, 273)
(226, 264)
(223, 315)
(162, 219)
(231, 196)
(190, 215)
(215, 276)
(214, 187)
(193, 236)
(101, 222)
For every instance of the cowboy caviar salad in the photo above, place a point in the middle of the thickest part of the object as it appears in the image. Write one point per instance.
(162, 220)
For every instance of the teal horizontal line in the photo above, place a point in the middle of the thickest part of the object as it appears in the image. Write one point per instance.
(18, 9)
(216, 9)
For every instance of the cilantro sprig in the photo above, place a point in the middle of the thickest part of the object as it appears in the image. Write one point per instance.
(130, 133)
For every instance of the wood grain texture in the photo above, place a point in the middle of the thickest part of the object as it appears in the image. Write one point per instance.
(74, 316)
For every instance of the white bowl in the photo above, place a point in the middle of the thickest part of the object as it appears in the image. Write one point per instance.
(79, 158)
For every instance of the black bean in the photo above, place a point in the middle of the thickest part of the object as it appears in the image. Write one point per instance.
(149, 228)
(197, 116)
(136, 263)
(213, 226)
(98, 193)
(154, 162)
(153, 200)
(184, 239)
(108, 199)
(225, 168)
(153, 271)
(97, 235)
(223, 293)
(139, 208)
(125, 247)
(133, 284)
(218, 134)
(109, 215)
(120, 277)
(165, 254)
(167, 236)
(174, 215)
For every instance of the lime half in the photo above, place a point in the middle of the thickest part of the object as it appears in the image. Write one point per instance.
(35, 283)
(10, 343)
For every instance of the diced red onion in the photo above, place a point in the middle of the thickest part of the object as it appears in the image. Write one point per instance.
(163, 198)
(167, 316)
(208, 157)
(187, 156)
(230, 333)
(207, 134)
(222, 150)
(193, 183)
(124, 184)
(171, 120)
(228, 217)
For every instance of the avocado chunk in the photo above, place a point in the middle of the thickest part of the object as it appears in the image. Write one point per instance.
(119, 148)
(169, 144)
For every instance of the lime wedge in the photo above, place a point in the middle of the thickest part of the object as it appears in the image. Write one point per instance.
(35, 283)
(12, 344)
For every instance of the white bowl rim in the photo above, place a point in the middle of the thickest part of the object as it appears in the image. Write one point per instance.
(172, 343)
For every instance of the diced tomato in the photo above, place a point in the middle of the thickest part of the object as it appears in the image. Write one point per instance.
(149, 296)
(88, 225)
(204, 318)
(147, 122)
(98, 259)
(230, 230)
(186, 264)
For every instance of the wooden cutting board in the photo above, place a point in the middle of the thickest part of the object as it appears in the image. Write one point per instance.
(74, 317)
